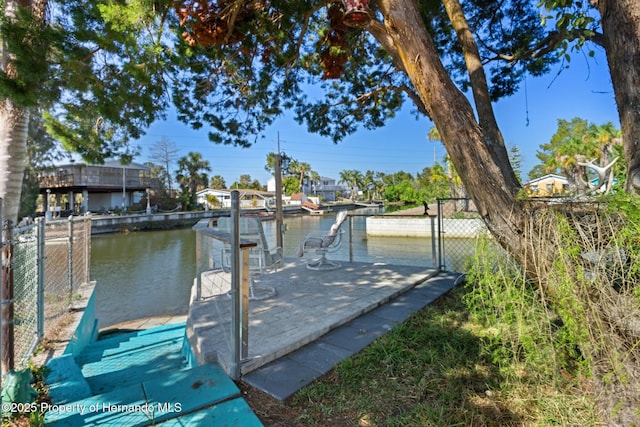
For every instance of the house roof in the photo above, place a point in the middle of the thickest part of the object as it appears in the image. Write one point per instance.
(551, 176)
(108, 164)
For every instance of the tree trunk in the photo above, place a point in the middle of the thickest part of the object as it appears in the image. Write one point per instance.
(493, 186)
(621, 35)
(486, 176)
(14, 124)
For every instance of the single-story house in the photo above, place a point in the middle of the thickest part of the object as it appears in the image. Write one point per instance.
(548, 185)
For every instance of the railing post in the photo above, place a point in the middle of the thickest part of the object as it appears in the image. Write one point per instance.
(434, 257)
(1, 284)
(236, 300)
(87, 247)
(199, 268)
(70, 257)
(351, 238)
(41, 227)
(440, 243)
(244, 301)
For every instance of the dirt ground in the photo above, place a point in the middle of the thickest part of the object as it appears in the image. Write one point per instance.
(271, 411)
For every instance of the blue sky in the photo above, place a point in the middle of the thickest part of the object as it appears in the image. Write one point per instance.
(527, 119)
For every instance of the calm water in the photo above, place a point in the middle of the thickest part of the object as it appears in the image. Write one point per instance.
(151, 273)
(142, 274)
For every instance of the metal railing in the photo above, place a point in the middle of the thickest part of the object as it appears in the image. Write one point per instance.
(239, 282)
(43, 265)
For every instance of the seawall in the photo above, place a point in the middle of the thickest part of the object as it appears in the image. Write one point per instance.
(396, 226)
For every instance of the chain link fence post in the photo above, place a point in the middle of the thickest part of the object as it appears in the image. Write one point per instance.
(70, 257)
(41, 260)
(8, 357)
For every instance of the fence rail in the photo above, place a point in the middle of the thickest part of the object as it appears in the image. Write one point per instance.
(43, 265)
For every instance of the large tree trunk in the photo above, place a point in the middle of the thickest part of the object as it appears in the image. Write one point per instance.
(14, 124)
(482, 162)
(491, 183)
(621, 35)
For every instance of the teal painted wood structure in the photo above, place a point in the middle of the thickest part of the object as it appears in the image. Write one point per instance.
(142, 378)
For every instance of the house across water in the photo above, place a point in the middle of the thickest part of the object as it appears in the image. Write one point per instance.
(79, 187)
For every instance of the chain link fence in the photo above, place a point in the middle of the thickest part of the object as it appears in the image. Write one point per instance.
(459, 226)
(66, 267)
(43, 265)
(27, 290)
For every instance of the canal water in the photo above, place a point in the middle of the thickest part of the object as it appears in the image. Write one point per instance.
(150, 273)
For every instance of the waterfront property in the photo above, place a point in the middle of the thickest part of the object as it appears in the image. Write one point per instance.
(360, 301)
(80, 187)
(221, 198)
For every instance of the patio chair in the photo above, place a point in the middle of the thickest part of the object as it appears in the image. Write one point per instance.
(262, 258)
(323, 243)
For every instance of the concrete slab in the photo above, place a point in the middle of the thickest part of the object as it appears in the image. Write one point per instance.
(285, 376)
(308, 305)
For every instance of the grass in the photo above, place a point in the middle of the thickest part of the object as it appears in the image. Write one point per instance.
(431, 371)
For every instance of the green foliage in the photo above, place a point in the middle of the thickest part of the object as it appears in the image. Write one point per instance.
(238, 88)
(41, 154)
(290, 185)
(191, 178)
(579, 141)
(245, 182)
(574, 20)
(521, 328)
(217, 182)
(106, 70)
(431, 370)
(404, 192)
(98, 69)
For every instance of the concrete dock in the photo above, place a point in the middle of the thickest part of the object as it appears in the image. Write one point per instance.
(307, 305)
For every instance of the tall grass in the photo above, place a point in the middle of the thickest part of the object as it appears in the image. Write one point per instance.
(439, 368)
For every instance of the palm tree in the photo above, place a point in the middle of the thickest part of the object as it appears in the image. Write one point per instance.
(379, 185)
(368, 182)
(353, 179)
(315, 180)
(14, 121)
(217, 182)
(433, 135)
(604, 137)
(301, 169)
(191, 177)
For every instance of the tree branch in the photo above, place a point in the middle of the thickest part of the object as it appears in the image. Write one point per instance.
(549, 44)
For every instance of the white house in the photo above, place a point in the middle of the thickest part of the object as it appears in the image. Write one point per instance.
(249, 199)
(324, 188)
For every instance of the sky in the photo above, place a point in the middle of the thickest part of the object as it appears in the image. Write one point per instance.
(527, 119)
